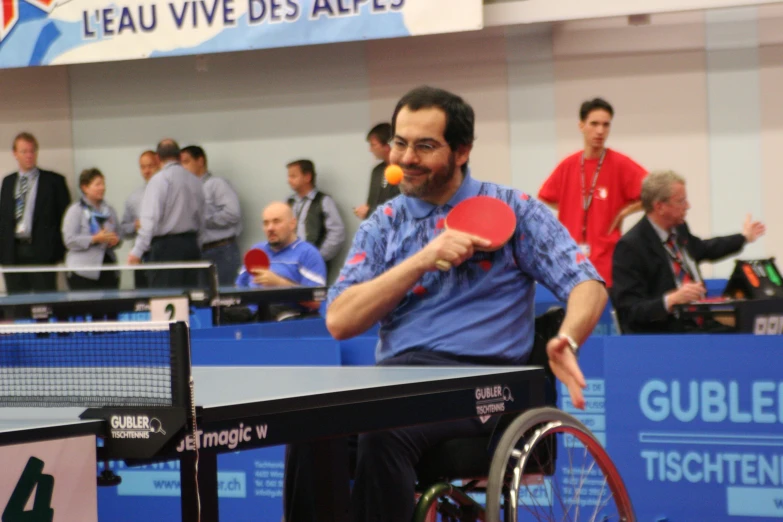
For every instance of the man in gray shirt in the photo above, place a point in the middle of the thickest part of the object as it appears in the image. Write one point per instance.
(318, 220)
(172, 218)
(223, 219)
(148, 165)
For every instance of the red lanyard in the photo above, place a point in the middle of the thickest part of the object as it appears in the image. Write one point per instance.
(587, 198)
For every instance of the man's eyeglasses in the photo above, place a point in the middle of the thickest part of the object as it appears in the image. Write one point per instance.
(421, 149)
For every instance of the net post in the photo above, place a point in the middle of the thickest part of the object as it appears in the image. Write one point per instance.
(180, 365)
(214, 282)
(214, 292)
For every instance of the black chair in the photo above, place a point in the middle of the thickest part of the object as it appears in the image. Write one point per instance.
(483, 464)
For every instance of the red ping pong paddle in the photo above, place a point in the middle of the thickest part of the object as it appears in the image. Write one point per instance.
(485, 217)
(256, 259)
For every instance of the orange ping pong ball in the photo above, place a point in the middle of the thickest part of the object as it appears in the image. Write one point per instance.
(393, 174)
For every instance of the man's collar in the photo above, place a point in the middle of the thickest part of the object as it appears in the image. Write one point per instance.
(662, 234)
(420, 209)
(30, 173)
(309, 195)
(604, 152)
(292, 244)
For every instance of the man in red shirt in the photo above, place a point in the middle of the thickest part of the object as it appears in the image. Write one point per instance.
(594, 189)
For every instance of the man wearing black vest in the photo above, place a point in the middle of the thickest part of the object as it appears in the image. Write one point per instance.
(318, 221)
(380, 190)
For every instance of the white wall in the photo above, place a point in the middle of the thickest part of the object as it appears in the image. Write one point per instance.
(470, 64)
(36, 100)
(253, 112)
(671, 83)
(695, 92)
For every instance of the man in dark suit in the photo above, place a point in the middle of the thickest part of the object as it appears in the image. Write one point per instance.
(32, 204)
(656, 263)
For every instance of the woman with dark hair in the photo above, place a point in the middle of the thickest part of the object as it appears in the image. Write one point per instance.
(90, 235)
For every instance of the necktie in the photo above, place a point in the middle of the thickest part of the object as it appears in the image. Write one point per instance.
(681, 273)
(21, 198)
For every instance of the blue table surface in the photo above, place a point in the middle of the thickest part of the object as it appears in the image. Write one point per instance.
(714, 288)
(216, 387)
(87, 295)
(107, 295)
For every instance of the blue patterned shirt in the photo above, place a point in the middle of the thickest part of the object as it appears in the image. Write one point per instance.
(483, 308)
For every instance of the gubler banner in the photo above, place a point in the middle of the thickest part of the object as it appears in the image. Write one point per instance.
(50, 32)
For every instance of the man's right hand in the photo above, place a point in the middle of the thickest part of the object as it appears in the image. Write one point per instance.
(685, 294)
(451, 246)
(361, 211)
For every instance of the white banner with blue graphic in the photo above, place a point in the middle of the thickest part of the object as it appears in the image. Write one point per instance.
(50, 32)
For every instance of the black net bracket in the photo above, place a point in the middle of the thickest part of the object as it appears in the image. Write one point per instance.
(141, 432)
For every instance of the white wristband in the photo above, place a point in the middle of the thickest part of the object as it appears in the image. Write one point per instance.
(571, 343)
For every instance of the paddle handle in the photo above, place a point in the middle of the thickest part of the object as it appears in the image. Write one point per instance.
(443, 265)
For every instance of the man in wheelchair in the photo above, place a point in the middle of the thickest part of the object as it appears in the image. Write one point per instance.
(480, 312)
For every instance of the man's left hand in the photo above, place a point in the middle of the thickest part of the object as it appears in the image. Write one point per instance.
(267, 278)
(565, 367)
(752, 230)
(133, 260)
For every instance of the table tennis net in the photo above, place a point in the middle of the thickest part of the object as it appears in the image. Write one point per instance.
(91, 364)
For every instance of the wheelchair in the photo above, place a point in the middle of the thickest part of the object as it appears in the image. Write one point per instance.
(518, 475)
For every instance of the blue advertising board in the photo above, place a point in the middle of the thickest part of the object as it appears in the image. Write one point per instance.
(695, 425)
(250, 487)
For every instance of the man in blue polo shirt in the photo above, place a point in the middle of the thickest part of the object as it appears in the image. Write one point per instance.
(479, 312)
(293, 262)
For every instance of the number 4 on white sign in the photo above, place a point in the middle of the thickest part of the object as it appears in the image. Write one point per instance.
(32, 476)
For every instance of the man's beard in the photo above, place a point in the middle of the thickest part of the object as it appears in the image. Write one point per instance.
(434, 182)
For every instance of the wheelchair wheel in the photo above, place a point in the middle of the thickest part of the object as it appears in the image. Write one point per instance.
(583, 485)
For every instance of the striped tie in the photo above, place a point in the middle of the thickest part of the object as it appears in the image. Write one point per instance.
(681, 272)
(21, 198)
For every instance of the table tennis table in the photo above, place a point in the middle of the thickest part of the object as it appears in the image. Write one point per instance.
(110, 304)
(270, 406)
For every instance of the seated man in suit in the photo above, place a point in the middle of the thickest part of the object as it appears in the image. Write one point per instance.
(655, 265)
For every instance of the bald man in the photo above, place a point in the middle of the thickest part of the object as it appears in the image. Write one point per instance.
(293, 262)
